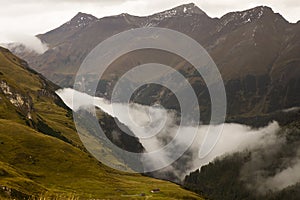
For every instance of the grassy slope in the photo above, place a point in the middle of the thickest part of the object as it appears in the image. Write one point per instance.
(34, 163)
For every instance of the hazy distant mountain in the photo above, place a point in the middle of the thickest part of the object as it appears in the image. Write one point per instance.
(256, 50)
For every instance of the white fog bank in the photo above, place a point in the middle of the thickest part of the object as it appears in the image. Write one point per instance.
(146, 121)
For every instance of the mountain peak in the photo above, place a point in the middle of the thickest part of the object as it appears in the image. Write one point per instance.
(182, 10)
(261, 9)
(247, 16)
(190, 8)
(261, 12)
(81, 20)
(83, 16)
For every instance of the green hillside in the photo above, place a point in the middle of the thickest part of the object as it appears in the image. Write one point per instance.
(41, 154)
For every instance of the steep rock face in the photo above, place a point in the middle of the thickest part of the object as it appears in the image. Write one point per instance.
(256, 51)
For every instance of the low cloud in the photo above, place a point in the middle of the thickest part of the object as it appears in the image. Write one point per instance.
(21, 43)
(274, 164)
(156, 127)
(287, 177)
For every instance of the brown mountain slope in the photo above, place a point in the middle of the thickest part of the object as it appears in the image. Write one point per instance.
(257, 52)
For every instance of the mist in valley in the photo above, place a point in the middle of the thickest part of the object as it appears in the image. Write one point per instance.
(156, 127)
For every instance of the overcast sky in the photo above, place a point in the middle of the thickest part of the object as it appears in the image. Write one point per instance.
(30, 17)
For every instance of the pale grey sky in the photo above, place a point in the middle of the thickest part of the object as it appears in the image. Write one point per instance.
(19, 18)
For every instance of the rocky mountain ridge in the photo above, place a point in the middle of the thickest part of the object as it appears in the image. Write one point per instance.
(256, 51)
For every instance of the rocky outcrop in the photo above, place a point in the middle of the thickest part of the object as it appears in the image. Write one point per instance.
(22, 102)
